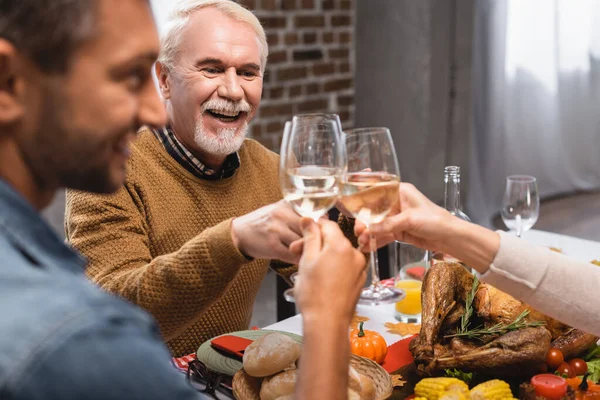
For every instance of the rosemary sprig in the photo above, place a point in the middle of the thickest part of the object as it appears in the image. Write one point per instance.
(464, 320)
(498, 329)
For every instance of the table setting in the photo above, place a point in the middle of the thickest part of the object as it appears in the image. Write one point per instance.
(398, 322)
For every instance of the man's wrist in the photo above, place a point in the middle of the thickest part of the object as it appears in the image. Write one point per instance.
(236, 241)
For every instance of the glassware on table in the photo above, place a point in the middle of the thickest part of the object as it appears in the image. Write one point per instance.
(369, 192)
(521, 203)
(410, 265)
(452, 192)
(312, 161)
(453, 205)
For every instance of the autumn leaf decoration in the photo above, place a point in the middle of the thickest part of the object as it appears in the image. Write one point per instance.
(402, 328)
(397, 381)
(357, 319)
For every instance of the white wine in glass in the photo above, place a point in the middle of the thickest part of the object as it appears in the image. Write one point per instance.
(312, 162)
(369, 196)
(369, 192)
(315, 190)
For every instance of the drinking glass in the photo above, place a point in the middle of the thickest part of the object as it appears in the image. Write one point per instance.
(410, 264)
(312, 161)
(521, 204)
(370, 191)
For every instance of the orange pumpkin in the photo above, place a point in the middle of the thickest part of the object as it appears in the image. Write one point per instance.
(368, 344)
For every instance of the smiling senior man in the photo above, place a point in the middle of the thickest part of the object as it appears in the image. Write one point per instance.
(191, 235)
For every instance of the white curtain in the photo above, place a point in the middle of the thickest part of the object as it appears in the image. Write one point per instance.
(536, 98)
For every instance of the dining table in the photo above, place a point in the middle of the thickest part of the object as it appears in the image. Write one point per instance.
(380, 318)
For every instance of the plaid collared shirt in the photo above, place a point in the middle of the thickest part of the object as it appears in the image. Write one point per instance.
(190, 162)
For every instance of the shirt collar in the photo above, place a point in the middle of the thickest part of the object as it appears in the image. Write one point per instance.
(190, 162)
(24, 226)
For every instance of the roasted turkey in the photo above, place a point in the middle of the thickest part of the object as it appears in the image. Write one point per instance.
(513, 354)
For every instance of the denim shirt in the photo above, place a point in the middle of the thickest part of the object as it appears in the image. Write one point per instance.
(62, 338)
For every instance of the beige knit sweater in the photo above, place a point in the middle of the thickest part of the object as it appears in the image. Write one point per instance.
(164, 241)
(561, 287)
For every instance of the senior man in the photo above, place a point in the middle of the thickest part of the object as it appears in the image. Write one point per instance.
(191, 235)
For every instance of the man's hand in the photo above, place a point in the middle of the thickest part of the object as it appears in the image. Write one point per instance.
(268, 232)
(331, 273)
(417, 221)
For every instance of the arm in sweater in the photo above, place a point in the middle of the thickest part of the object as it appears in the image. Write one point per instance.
(553, 283)
(112, 232)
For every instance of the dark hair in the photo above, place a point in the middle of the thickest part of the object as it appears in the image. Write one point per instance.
(47, 31)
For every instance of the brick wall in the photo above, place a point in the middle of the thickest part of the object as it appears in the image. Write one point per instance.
(311, 62)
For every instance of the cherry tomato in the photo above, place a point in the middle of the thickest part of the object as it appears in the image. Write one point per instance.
(554, 358)
(565, 369)
(578, 366)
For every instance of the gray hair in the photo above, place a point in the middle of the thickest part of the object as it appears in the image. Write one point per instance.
(179, 19)
(47, 31)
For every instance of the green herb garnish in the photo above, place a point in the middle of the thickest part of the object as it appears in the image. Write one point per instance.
(464, 320)
(498, 329)
(466, 377)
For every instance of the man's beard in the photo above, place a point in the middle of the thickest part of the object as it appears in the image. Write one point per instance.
(226, 140)
(70, 156)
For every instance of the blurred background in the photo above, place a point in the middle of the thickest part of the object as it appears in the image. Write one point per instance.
(497, 87)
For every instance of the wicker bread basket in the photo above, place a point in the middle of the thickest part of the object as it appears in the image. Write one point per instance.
(246, 387)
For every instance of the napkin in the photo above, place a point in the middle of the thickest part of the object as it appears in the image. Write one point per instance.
(231, 345)
(398, 355)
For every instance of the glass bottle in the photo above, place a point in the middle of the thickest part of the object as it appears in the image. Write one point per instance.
(452, 204)
(452, 192)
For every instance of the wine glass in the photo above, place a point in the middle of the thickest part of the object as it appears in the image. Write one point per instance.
(312, 160)
(521, 204)
(370, 191)
(311, 163)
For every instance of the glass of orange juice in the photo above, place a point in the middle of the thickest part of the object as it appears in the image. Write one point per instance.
(410, 264)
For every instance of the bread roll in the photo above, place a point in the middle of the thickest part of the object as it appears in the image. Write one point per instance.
(288, 397)
(283, 384)
(352, 395)
(354, 380)
(367, 389)
(270, 354)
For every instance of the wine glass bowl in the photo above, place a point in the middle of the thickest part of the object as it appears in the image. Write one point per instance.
(521, 203)
(311, 163)
(369, 192)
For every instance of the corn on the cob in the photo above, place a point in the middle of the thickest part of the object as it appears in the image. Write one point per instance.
(433, 388)
(491, 390)
(454, 395)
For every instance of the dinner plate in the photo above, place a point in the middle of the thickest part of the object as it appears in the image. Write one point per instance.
(218, 362)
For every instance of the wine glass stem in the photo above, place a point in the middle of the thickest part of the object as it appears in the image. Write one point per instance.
(374, 262)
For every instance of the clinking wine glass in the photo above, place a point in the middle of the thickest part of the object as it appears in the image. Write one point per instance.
(311, 164)
(312, 161)
(369, 192)
(521, 203)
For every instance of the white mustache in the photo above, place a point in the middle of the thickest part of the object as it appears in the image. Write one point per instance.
(226, 105)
